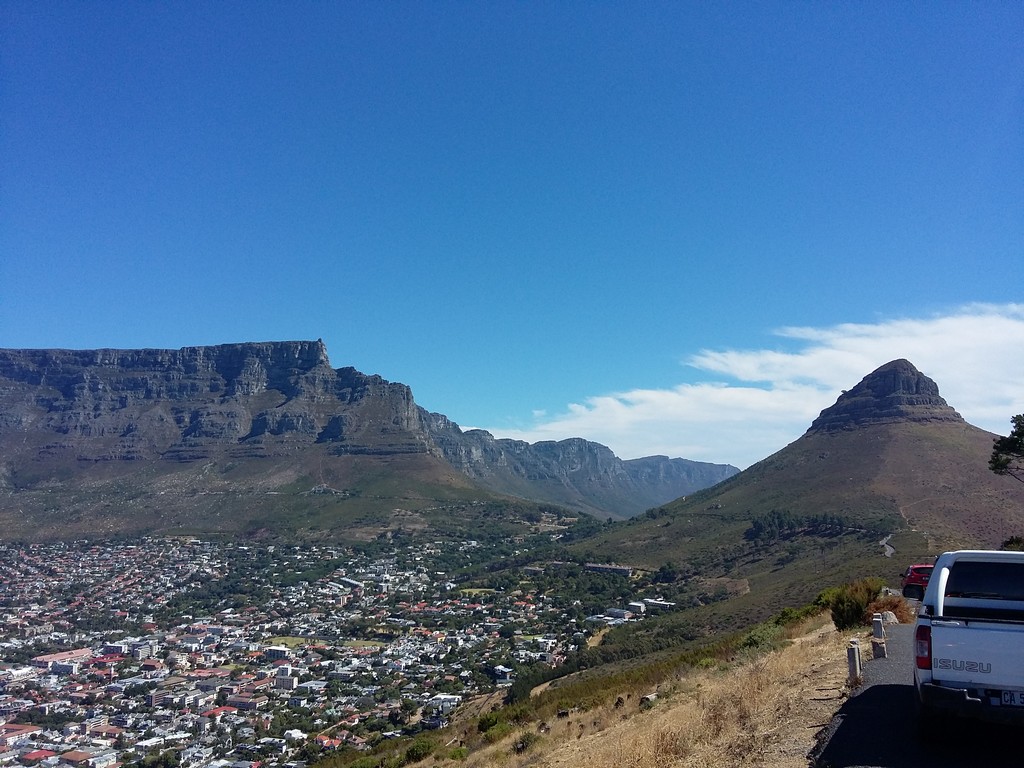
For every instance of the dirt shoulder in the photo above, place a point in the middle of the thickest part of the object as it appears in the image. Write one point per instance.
(766, 711)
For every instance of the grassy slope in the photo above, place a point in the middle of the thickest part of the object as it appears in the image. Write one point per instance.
(925, 485)
(761, 711)
(361, 495)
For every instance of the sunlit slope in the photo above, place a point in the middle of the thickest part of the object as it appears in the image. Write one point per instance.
(890, 461)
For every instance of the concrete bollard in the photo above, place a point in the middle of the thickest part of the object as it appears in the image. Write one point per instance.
(877, 627)
(853, 661)
(878, 649)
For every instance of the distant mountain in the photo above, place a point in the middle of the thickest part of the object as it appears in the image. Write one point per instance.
(575, 473)
(268, 435)
(890, 460)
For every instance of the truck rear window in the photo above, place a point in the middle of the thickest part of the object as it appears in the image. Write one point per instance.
(986, 581)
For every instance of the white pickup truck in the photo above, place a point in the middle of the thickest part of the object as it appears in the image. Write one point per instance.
(969, 638)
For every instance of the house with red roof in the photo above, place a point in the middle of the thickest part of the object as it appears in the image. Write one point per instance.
(36, 755)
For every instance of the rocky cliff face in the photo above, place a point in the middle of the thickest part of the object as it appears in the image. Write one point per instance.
(65, 412)
(895, 392)
(233, 400)
(574, 472)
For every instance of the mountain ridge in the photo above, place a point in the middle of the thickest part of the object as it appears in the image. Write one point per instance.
(69, 418)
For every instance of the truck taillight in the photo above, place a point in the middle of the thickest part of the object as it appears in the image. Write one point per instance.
(923, 647)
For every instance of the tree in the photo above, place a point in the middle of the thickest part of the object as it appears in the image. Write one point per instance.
(1008, 452)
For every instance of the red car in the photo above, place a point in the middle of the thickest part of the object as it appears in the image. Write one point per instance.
(915, 579)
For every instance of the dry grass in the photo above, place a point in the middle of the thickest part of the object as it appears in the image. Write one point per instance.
(762, 712)
(897, 604)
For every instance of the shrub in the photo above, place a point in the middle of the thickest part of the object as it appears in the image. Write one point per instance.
(420, 749)
(847, 611)
(898, 605)
(458, 753)
(761, 637)
(1014, 543)
(789, 617)
(526, 740)
(487, 721)
(519, 713)
(497, 732)
(850, 605)
(827, 596)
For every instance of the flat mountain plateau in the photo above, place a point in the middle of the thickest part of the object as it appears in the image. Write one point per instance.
(269, 439)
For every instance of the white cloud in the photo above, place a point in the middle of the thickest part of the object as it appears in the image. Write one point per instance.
(766, 399)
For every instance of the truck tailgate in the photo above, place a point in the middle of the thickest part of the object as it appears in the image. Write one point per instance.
(985, 654)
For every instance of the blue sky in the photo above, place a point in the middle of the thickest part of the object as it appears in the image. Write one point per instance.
(674, 228)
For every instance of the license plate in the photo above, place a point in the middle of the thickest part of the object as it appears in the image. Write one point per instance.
(1013, 698)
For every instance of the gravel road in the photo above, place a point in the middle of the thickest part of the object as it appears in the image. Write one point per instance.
(877, 728)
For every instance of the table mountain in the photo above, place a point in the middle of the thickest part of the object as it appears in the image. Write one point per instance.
(90, 434)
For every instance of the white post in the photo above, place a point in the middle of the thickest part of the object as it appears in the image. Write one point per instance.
(853, 661)
(878, 649)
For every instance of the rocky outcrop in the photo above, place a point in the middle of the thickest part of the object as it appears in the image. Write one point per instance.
(895, 392)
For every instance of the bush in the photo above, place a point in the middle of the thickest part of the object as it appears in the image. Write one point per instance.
(459, 753)
(898, 605)
(826, 597)
(762, 637)
(519, 713)
(850, 604)
(497, 732)
(789, 617)
(526, 740)
(487, 721)
(420, 749)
